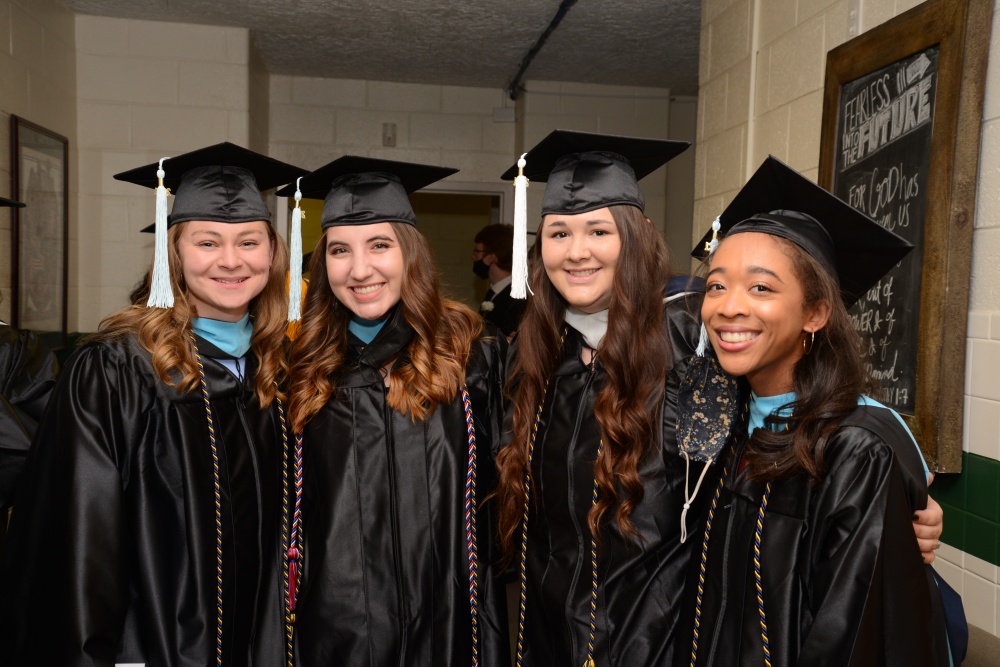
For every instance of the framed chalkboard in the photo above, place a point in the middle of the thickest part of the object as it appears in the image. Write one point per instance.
(902, 111)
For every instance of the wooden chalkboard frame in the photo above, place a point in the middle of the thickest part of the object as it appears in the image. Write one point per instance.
(961, 29)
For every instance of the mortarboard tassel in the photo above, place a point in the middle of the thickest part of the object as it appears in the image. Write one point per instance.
(519, 269)
(295, 259)
(710, 247)
(161, 294)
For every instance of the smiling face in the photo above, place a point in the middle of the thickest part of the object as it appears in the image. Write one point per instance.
(754, 311)
(225, 266)
(580, 253)
(364, 265)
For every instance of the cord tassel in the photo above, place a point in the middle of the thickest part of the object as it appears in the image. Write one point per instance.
(519, 269)
(161, 294)
(710, 247)
(295, 259)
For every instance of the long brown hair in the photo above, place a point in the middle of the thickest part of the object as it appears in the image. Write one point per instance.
(635, 355)
(436, 356)
(166, 332)
(827, 383)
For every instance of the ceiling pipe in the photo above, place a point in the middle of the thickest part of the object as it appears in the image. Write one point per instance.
(560, 13)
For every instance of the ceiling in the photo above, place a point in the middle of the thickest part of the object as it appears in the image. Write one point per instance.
(452, 42)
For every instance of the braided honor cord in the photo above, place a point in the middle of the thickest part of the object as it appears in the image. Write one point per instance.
(704, 560)
(288, 555)
(471, 542)
(589, 662)
(756, 574)
(218, 506)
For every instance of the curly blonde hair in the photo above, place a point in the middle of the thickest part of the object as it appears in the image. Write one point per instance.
(165, 332)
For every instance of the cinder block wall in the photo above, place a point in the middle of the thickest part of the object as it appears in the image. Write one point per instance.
(147, 90)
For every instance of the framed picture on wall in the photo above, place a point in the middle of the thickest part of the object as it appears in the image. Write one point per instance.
(902, 110)
(40, 231)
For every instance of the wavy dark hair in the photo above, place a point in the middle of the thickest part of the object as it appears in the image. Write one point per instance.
(165, 332)
(827, 383)
(437, 354)
(635, 355)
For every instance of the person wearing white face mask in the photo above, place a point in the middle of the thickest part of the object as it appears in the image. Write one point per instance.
(396, 393)
(148, 528)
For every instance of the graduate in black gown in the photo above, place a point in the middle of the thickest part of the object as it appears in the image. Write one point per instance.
(397, 394)
(591, 485)
(148, 525)
(809, 557)
(27, 375)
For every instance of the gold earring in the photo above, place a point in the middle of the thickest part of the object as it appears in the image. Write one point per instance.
(806, 349)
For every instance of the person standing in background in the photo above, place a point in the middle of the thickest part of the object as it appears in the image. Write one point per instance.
(491, 260)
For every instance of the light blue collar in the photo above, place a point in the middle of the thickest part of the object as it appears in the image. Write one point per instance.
(366, 330)
(761, 407)
(233, 338)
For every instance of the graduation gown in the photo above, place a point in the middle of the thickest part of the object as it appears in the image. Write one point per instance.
(842, 576)
(112, 552)
(640, 583)
(386, 576)
(27, 377)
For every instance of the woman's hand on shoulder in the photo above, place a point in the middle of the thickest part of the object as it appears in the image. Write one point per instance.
(928, 525)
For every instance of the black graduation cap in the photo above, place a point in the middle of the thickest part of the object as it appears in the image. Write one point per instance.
(587, 171)
(778, 200)
(363, 191)
(220, 183)
(11, 203)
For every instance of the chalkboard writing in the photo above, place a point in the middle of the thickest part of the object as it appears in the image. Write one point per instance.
(882, 159)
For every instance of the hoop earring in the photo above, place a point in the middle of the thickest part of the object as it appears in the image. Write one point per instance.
(806, 349)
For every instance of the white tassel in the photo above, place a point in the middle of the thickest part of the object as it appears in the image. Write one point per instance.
(161, 294)
(519, 269)
(710, 247)
(295, 260)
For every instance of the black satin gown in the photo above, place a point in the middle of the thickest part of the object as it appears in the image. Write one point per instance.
(27, 376)
(842, 577)
(640, 582)
(112, 551)
(386, 577)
